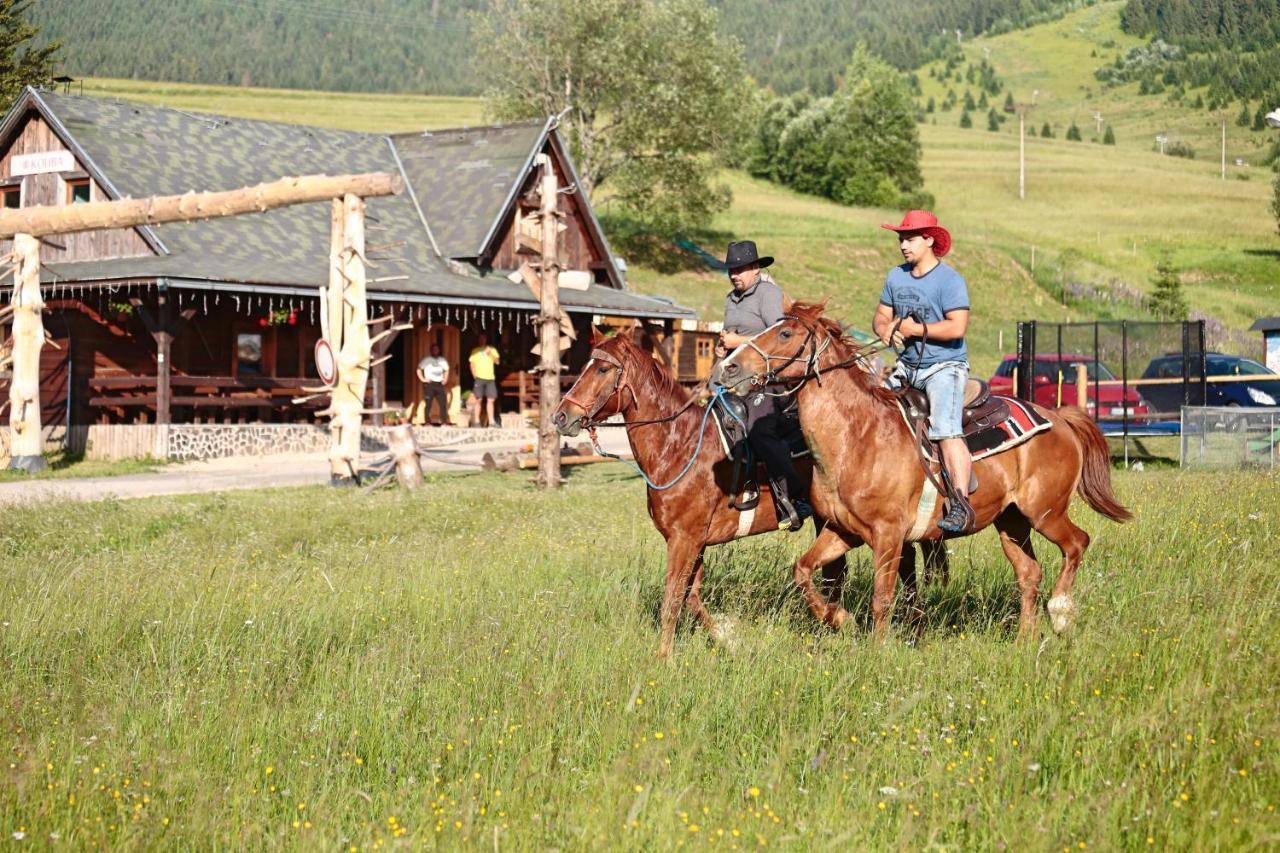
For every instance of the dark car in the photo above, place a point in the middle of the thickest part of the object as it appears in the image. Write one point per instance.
(1244, 391)
(1054, 383)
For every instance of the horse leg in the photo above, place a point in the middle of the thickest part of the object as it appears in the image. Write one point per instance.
(1015, 539)
(827, 547)
(721, 630)
(886, 555)
(1072, 541)
(683, 555)
(911, 590)
(937, 568)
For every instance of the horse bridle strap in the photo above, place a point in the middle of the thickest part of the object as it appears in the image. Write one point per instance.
(618, 386)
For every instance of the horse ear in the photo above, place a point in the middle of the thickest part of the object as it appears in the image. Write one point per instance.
(787, 304)
(597, 336)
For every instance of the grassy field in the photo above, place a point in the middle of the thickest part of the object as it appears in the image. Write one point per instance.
(312, 669)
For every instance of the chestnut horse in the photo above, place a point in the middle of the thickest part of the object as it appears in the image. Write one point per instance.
(868, 480)
(663, 424)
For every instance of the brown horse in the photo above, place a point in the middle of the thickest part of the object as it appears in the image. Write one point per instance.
(868, 482)
(663, 430)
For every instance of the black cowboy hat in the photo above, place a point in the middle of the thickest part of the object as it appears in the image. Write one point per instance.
(743, 253)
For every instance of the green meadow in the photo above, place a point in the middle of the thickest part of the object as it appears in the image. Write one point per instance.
(472, 665)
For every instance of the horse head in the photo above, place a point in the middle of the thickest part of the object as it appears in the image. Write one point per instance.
(787, 350)
(597, 394)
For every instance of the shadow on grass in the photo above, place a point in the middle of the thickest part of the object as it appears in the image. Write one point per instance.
(65, 464)
(1274, 254)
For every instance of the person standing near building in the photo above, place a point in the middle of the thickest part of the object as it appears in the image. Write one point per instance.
(433, 372)
(483, 360)
(753, 305)
(924, 309)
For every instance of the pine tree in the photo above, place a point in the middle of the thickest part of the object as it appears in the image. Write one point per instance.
(1167, 301)
(931, 106)
(993, 120)
(1275, 198)
(1260, 119)
(1073, 133)
(1109, 138)
(1244, 118)
(1008, 103)
(22, 63)
(1046, 132)
(1199, 102)
(982, 101)
(965, 121)
(969, 103)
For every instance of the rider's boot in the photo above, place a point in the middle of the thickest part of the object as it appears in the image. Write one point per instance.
(960, 517)
(791, 511)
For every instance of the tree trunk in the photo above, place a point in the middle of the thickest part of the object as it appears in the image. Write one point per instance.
(549, 389)
(128, 213)
(348, 323)
(404, 450)
(26, 436)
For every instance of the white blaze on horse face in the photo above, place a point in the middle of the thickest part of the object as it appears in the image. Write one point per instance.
(1062, 610)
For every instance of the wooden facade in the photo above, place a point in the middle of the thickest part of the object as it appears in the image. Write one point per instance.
(242, 352)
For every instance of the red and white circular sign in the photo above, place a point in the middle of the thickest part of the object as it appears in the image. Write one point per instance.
(326, 364)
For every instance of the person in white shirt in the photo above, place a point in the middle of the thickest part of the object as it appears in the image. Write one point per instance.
(433, 371)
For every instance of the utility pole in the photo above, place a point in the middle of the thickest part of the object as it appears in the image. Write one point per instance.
(1021, 110)
(549, 337)
(1161, 139)
(1097, 121)
(1224, 148)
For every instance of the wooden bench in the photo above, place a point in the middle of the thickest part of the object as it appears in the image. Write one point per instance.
(522, 388)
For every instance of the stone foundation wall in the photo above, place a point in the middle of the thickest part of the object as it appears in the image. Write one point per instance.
(193, 442)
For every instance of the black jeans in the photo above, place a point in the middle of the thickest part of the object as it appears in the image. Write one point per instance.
(435, 391)
(764, 434)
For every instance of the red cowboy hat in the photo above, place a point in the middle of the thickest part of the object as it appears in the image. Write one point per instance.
(926, 223)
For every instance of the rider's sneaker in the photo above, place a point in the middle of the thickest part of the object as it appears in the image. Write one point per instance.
(959, 517)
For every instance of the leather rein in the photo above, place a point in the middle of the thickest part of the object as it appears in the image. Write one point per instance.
(589, 413)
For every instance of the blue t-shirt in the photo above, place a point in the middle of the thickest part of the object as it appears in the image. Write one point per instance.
(940, 290)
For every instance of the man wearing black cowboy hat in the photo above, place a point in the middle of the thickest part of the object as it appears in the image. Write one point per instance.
(755, 304)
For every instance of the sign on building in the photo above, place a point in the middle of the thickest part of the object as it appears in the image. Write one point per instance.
(42, 162)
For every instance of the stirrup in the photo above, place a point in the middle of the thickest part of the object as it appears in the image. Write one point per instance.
(748, 499)
(960, 517)
(791, 514)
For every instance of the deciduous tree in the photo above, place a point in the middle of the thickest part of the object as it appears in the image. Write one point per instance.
(22, 63)
(650, 94)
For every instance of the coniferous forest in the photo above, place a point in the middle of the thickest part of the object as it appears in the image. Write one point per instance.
(423, 45)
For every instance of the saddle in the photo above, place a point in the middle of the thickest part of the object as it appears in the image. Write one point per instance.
(731, 423)
(982, 411)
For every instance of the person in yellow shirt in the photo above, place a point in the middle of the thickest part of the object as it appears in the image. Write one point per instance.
(482, 359)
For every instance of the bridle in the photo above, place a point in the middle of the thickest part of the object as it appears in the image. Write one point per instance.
(588, 414)
(812, 370)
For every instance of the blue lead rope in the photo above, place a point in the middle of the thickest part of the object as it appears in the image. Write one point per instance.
(716, 396)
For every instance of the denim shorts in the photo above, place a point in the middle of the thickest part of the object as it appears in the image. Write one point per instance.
(943, 383)
(485, 389)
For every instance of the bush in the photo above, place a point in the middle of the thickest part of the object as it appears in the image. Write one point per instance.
(1180, 149)
(1073, 133)
(1109, 138)
(1046, 132)
(993, 120)
(965, 121)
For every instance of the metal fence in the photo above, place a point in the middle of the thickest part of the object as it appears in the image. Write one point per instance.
(1130, 376)
(1230, 437)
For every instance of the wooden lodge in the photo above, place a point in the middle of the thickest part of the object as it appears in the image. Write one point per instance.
(239, 296)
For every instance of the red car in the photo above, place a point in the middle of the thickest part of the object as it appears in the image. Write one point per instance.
(1055, 385)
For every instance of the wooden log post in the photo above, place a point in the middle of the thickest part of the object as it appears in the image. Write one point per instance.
(26, 438)
(130, 213)
(549, 363)
(348, 327)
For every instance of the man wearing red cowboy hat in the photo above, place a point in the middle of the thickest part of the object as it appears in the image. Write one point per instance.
(924, 309)
(755, 304)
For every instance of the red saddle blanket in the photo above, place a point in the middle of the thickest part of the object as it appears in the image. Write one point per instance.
(1022, 423)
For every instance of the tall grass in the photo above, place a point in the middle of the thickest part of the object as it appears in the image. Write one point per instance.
(473, 665)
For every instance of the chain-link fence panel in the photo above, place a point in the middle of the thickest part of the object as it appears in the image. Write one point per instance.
(1230, 437)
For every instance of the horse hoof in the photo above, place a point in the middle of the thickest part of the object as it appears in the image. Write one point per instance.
(725, 633)
(838, 619)
(1062, 612)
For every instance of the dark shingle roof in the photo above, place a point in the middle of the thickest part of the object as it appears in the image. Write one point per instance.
(464, 178)
(141, 150)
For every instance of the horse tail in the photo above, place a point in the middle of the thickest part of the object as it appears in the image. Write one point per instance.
(1095, 479)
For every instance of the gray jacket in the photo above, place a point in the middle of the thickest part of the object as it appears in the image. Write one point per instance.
(754, 310)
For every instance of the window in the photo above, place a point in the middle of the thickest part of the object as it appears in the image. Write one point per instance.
(248, 354)
(12, 196)
(78, 191)
(704, 348)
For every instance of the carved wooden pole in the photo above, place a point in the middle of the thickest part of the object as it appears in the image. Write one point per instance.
(26, 436)
(349, 335)
(549, 364)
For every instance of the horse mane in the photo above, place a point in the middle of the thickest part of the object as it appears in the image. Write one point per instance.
(845, 348)
(646, 369)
